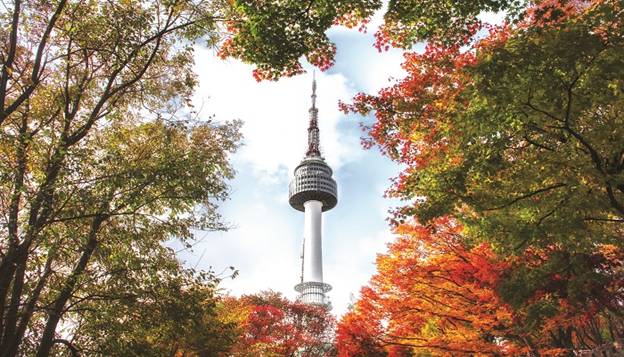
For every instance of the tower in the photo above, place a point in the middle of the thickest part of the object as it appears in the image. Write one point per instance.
(313, 191)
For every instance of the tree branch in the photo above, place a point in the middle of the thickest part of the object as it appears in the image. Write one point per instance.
(72, 349)
(527, 195)
(37, 68)
(8, 63)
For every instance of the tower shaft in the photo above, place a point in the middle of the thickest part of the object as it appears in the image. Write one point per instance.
(312, 253)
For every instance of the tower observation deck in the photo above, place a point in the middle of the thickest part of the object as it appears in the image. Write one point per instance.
(313, 191)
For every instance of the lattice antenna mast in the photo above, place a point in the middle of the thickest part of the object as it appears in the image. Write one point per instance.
(302, 260)
(313, 130)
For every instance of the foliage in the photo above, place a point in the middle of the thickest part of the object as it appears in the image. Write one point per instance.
(409, 21)
(178, 314)
(565, 301)
(518, 136)
(276, 34)
(101, 161)
(433, 295)
(274, 326)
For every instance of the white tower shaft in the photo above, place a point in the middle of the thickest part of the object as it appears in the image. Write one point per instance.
(312, 254)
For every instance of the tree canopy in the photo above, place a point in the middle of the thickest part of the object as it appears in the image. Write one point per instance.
(271, 325)
(512, 132)
(101, 161)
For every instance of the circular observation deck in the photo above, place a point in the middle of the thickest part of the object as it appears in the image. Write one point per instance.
(313, 293)
(313, 181)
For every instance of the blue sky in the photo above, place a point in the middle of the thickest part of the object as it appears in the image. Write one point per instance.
(265, 241)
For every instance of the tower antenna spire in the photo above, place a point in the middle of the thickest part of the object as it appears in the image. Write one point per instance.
(314, 89)
(313, 130)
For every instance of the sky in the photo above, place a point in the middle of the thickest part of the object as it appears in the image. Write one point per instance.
(265, 241)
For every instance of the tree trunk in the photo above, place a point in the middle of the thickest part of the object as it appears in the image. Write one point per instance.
(47, 338)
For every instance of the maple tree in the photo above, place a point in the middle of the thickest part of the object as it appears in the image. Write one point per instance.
(407, 22)
(565, 301)
(491, 131)
(518, 136)
(434, 294)
(431, 293)
(296, 29)
(271, 325)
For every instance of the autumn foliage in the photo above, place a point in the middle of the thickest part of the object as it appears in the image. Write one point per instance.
(295, 29)
(271, 325)
(514, 131)
(430, 293)
(511, 137)
(435, 294)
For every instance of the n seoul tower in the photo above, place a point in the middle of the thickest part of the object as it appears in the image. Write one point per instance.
(313, 191)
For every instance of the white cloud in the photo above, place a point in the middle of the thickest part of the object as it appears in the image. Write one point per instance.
(366, 67)
(275, 114)
(262, 247)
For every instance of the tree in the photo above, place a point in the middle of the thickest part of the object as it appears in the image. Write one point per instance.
(179, 315)
(434, 295)
(517, 136)
(101, 160)
(274, 35)
(273, 326)
(565, 301)
(407, 22)
(523, 147)
(150, 175)
(430, 294)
